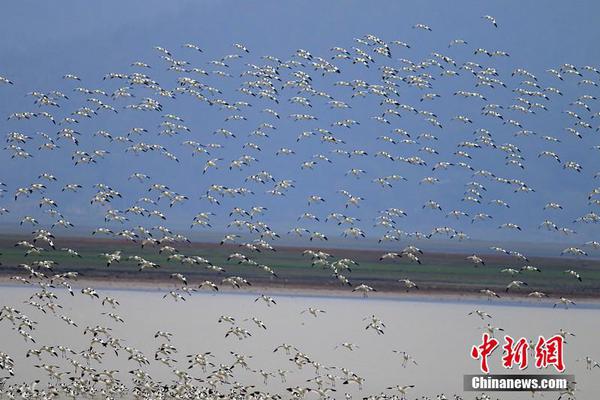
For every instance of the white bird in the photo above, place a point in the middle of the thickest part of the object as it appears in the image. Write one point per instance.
(364, 289)
(480, 314)
(313, 311)
(491, 19)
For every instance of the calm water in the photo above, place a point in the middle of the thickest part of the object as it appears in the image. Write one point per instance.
(438, 334)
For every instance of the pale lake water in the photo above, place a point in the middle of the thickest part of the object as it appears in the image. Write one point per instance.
(436, 332)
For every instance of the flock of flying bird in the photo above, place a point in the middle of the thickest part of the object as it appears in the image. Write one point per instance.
(304, 83)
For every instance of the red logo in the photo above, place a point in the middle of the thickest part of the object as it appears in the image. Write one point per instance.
(483, 351)
(548, 352)
(515, 353)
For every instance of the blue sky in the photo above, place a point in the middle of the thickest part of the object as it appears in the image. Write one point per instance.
(41, 42)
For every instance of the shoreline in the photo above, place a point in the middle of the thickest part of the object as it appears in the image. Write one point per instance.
(299, 290)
